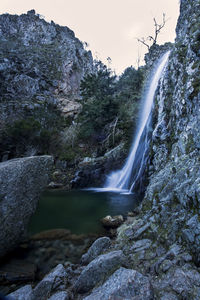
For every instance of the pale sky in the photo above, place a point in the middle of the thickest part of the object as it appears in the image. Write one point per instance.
(110, 27)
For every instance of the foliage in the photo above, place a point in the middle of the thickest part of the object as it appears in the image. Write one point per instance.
(36, 134)
(100, 106)
(110, 106)
(130, 84)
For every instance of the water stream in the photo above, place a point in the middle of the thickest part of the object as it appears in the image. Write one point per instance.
(131, 174)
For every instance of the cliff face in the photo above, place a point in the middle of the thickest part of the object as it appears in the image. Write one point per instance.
(173, 194)
(41, 65)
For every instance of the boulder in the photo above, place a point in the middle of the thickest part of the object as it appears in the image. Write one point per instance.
(21, 183)
(97, 248)
(124, 284)
(112, 222)
(98, 270)
(54, 281)
(24, 293)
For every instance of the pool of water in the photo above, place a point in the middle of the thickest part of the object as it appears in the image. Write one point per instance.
(79, 211)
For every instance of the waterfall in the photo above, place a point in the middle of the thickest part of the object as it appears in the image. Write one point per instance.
(130, 175)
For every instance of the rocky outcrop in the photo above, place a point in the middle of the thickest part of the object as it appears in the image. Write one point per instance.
(98, 269)
(173, 194)
(96, 249)
(41, 65)
(21, 182)
(124, 284)
(96, 169)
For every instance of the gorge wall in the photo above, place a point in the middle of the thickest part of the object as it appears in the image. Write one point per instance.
(173, 194)
(41, 64)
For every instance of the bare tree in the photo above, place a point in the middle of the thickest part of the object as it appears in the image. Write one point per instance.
(138, 60)
(152, 40)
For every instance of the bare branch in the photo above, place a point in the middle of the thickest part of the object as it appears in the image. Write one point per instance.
(157, 30)
(143, 41)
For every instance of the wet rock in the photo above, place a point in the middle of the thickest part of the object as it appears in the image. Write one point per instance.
(112, 222)
(98, 270)
(24, 293)
(124, 284)
(60, 296)
(55, 280)
(99, 246)
(21, 182)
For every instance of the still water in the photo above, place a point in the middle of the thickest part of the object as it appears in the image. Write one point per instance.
(79, 211)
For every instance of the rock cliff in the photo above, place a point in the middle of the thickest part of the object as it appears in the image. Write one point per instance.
(41, 65)
(173, 194)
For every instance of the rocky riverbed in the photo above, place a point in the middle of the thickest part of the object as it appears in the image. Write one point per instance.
(133, 265)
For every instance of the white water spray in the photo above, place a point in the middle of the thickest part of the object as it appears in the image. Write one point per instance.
(124, 180)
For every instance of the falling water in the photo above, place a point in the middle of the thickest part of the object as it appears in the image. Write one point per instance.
(130, 175)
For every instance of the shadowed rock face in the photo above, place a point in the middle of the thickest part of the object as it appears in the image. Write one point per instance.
(21, 182)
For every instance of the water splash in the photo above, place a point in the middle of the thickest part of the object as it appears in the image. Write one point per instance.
(130, 175)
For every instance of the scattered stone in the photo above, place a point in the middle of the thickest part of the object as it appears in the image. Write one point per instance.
(60, 296)
(141, 230)
(99, 246)
(188, 235)
(129, 233)
(112, 222)
(173, 252)
(123, 284)
(51, 282)
(98, 270)
(141, 245)
(160, 251)
(24, 293)
(166, 265)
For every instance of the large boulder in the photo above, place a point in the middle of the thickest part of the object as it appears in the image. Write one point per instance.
(124, 284)
(21, 182)
(98, 269)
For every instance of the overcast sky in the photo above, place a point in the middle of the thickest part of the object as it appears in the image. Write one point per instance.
(110, 27)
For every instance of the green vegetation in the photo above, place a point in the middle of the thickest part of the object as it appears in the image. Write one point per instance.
(37, 134)
(110, 106)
